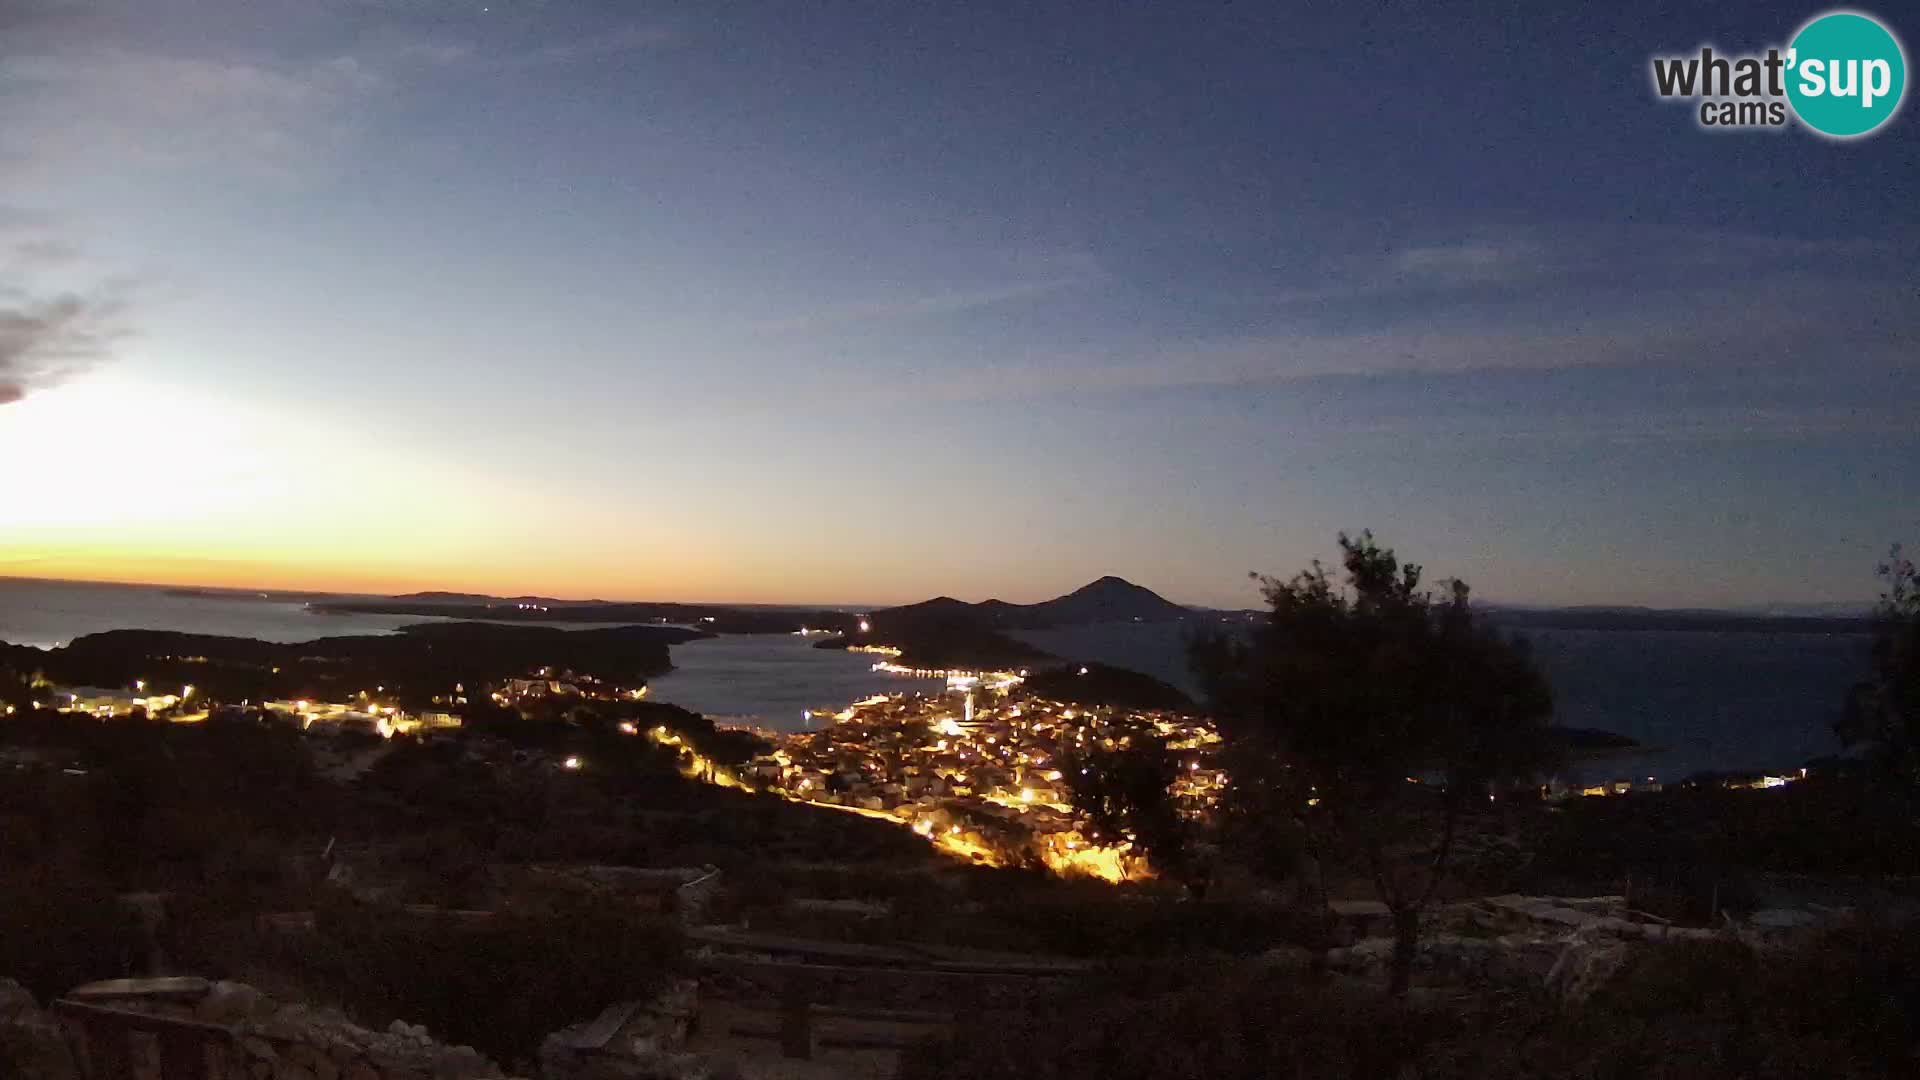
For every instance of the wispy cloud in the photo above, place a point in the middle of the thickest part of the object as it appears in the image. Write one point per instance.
(1471, 262)
(1691, 302)
(127, 109)
(1562, 264)
(995, 280)
(620, 40)
(907, 308)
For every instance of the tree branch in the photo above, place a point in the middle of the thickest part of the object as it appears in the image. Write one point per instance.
(1439, 867)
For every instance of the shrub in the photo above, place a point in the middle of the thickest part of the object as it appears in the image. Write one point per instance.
(500, 987)
(1844, 1005)
(55, 938)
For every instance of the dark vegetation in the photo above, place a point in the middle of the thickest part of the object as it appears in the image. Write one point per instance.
(1345, 689)
(1126, 792)
(941, 645)
(1883, 714)
(1690, 854)
(1847, 1005)
(227, 820)
(1351, 690)
(1102, 684)
(499, 986)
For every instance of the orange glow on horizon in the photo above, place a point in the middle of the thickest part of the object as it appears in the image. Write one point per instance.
(140, 482)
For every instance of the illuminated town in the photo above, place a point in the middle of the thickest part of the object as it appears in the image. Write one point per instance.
(976, 770)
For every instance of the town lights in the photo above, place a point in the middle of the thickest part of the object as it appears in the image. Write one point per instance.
(570, 763)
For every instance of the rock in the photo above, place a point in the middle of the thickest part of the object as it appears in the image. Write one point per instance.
(360, 1070)
(1585, 966)
(1522, 959)
(230, 1003)
(15, 1000)
(33, 1043)
(1289, 957)
(1783, 919)
(414, 1032)
(178, 988)
(462, 1063)
(305, 1055)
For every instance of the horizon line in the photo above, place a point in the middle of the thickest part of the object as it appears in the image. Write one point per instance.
(1757, 609)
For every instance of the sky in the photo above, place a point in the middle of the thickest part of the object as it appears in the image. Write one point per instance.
(838, 302)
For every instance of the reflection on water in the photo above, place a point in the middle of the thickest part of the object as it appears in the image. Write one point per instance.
(773, 678)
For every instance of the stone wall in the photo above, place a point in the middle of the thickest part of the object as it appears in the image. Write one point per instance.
(184, 1028)
(1569, 946)
(135, 1027)
(31, 1040)
(693, 899)
(633, 1040)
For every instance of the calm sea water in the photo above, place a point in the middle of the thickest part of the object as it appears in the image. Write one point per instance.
(1703, 700)
(46, 614)
(773, 678)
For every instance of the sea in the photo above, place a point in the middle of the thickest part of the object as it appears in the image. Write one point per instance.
(1695, 700)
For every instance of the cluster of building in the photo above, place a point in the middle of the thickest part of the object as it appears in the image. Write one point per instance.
(365, 715)
(979, 770)
(372, 711)
(1558, 790)
(184, 707)
(549, 683)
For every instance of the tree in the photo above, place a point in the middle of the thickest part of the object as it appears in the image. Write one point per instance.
(1348, 697)
(1884, 711)
(1127, 791)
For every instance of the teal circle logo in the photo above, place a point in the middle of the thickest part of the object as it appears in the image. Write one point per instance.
(1846, 74)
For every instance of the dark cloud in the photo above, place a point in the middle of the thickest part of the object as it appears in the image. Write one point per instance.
(43, 340)
(47, 333)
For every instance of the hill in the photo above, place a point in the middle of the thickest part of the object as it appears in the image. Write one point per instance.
(1103, 684)
(1109, 599)
(946, 633)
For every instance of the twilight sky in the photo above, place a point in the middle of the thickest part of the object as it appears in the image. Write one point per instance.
(864, 302)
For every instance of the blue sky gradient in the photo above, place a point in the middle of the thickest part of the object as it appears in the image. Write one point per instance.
(837, 301)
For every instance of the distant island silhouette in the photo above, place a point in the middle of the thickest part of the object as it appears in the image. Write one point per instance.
(1108, 599)
(947, 633)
